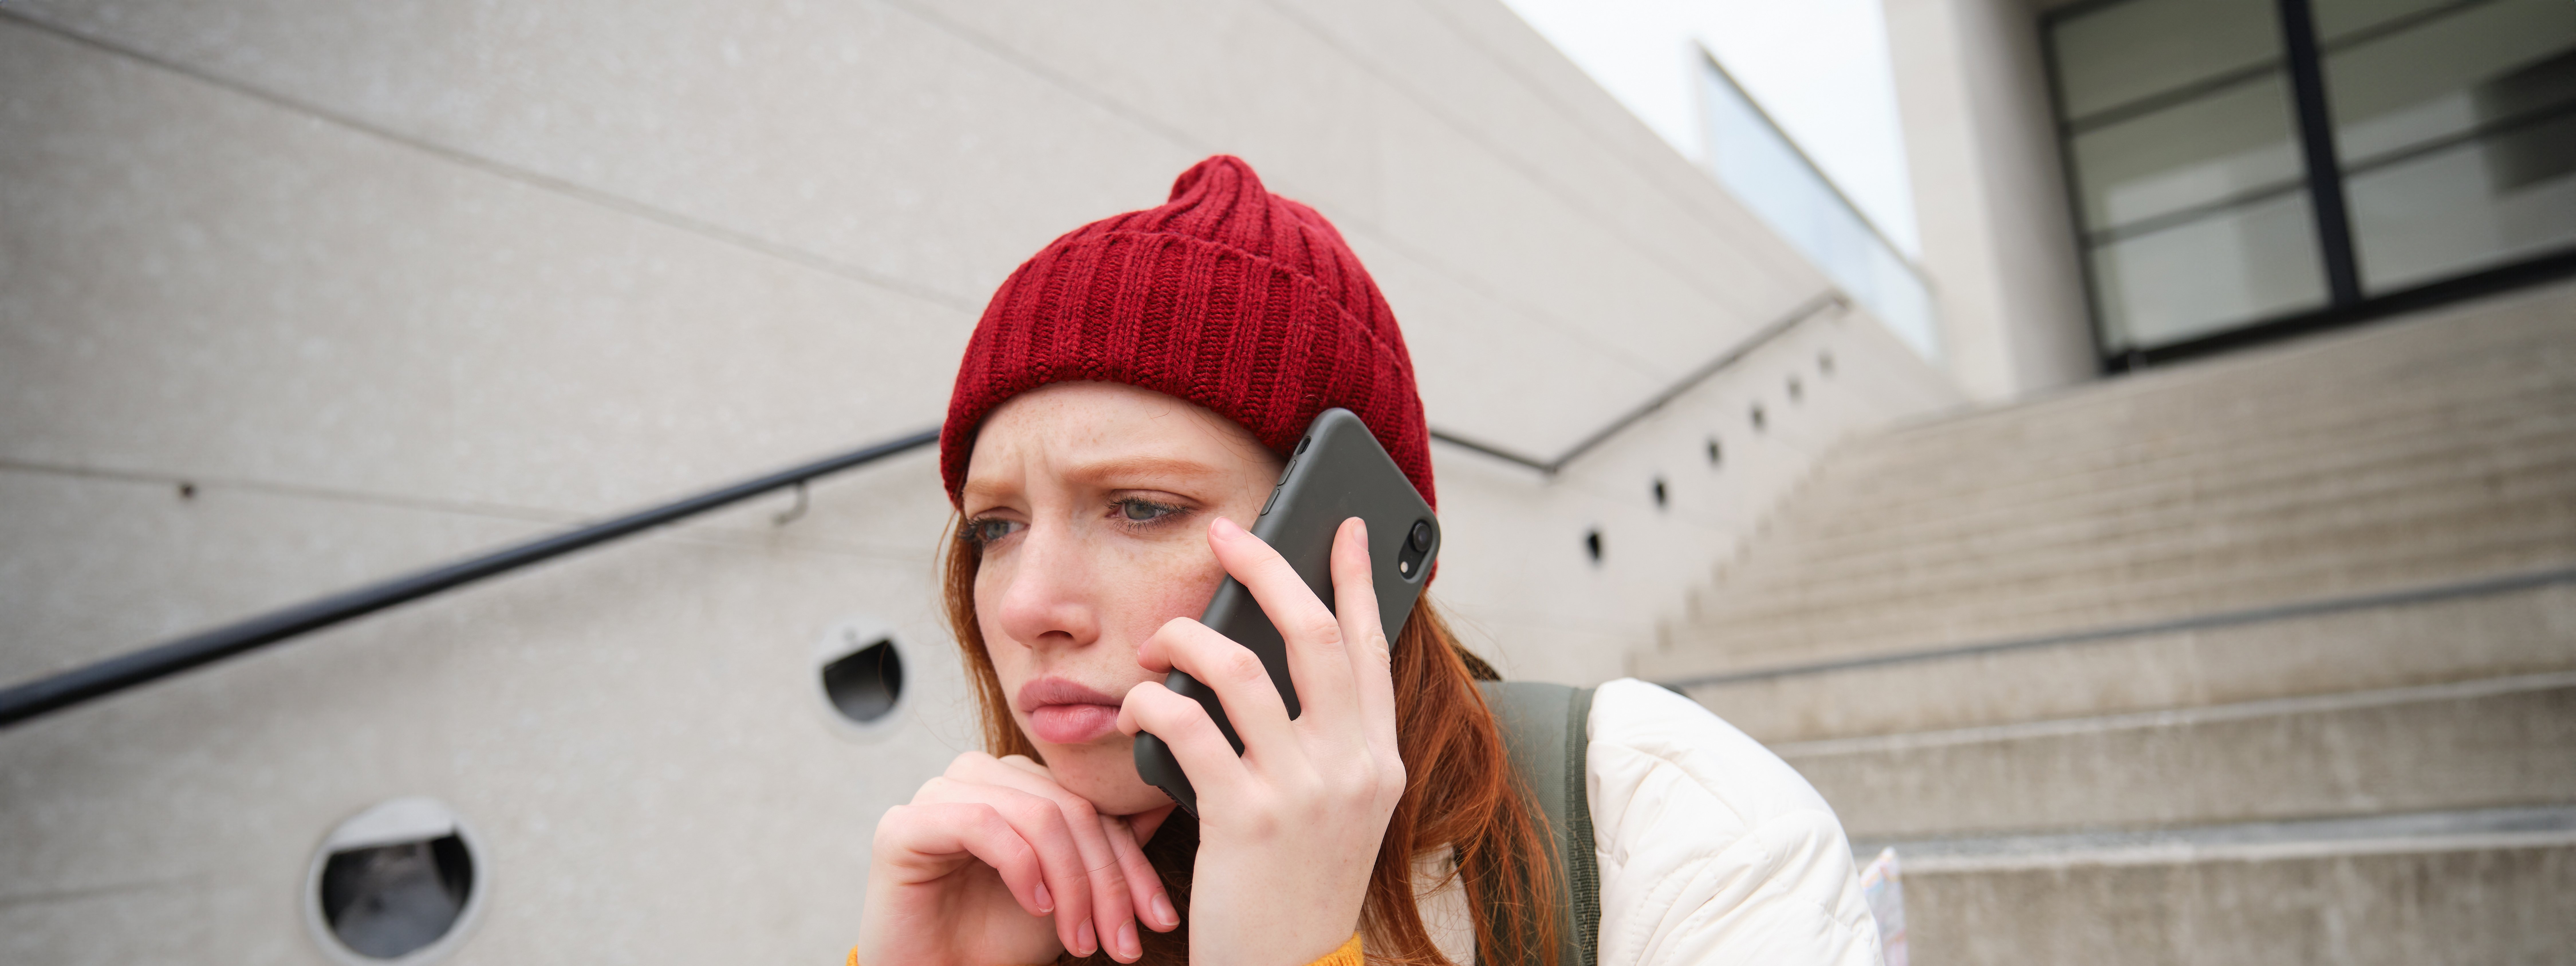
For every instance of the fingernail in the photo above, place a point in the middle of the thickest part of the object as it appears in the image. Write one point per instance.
(1127, 948)
(1082, 939)
(1046, 902)
(1164, 913)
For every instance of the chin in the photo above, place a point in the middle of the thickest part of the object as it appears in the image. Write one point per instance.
(1104, 774)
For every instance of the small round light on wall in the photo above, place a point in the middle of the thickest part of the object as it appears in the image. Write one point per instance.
(398, 883)
(860, 667)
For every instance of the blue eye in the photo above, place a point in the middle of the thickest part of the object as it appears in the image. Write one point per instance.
(989, 529)
(1144, 511)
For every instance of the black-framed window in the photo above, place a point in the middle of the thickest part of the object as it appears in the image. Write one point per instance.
(2245, 168)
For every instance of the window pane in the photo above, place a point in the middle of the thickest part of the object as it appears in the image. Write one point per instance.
(2127, 51)
(2338, 19)
(2450, 75)
(1760, 166)
(2482, 203)
(2235, 266)
(2199, 153)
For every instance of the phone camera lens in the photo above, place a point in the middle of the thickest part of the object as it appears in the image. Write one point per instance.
(1421, 536)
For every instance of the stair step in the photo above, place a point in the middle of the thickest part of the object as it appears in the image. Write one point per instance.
(2399, 890)
(2460, 745)
(2468, 632)
(2454, 353)
(1944, 469)
(1827, 523)
(2501, 487)
(1893, 470)
(2120, 592)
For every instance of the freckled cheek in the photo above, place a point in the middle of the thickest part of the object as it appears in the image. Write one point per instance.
(1175, 585)
(1176, 588)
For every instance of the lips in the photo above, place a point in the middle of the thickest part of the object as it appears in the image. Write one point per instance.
(1062, 712)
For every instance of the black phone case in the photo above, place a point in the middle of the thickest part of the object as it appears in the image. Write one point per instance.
(1338, 471)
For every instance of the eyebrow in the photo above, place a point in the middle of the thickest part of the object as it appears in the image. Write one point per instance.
(1128, 468)
(1124, 469)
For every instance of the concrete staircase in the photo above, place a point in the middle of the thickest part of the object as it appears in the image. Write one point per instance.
(2270, 658)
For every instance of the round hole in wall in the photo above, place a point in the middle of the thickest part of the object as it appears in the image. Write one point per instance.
(1660, 495)
(1756, 416)
(1592, 544)
(1716, 455)
(865, 684)
(397, 883)
(860, 667)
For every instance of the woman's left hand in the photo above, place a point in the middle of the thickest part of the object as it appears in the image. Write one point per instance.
(1289, 831)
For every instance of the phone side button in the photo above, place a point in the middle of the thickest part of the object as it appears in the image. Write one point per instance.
(1265, 504)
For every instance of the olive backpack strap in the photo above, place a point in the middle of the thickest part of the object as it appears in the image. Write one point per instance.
(1546, 728)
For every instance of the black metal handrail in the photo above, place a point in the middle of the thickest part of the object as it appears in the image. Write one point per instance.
(115, 674)
(1828, 299)
(58, 691)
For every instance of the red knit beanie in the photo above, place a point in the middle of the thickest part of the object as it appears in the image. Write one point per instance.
(1228, 296)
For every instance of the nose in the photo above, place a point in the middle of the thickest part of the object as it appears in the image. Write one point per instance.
(1049, 597)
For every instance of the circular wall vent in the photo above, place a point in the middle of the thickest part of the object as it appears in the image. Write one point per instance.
(397, 883)
(860, 667)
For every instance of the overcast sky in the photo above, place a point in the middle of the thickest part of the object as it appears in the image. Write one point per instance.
(1818, 67)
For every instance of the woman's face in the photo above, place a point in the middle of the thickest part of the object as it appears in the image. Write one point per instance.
(1091, 502)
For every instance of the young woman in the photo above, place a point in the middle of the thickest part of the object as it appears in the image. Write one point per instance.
(1118, 420)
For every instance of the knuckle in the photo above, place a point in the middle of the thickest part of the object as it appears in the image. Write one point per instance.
(1262, 823)
(970, 759)
(1243, 666)
(897, 825)
(989, 821)
(1037, 810)
(1391, 785)
(1075, 807)
(1322, 629)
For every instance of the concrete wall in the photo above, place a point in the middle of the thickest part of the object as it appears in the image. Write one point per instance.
(1990, 194)
(297, 295)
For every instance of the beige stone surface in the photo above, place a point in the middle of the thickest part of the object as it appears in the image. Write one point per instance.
(2466, 905)
(1989, 193)
(636, 738)
(389, 284)
(2525, 631)
(204, 283)
(1415, 140)
(2415, 453)
(2466, 745)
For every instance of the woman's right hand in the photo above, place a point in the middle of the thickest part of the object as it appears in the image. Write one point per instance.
(993, 862)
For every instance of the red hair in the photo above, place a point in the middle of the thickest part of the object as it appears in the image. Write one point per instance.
(1460, 792)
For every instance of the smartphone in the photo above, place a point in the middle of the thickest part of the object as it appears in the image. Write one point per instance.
(1338, 471)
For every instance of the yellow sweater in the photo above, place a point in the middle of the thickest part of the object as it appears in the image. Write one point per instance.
(1348, 955)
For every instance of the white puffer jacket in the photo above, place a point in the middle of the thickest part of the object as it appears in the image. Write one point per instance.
(1712, 849)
